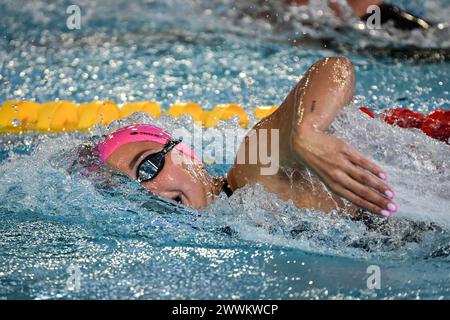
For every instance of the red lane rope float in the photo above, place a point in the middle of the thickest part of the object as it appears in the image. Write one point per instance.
(435, 125)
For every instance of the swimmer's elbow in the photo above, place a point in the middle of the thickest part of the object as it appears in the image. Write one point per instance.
(344, 61)
(343, 74)
(341, 61)
(345, 66)
(341, 67)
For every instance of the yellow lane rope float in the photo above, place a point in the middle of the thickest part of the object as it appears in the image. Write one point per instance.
(17, 116)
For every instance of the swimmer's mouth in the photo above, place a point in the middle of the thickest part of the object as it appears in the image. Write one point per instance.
(178, 199)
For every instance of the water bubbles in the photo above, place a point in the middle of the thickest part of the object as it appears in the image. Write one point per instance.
(15, 123)
(18, 92)
(123, 236)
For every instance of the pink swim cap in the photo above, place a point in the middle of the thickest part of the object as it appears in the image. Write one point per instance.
(136, 133)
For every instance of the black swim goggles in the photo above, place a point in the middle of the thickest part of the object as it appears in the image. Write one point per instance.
(152, 165)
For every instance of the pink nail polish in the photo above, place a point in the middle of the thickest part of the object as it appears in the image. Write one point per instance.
(390, 194)
(382, 176)
(392, 207)
(385, 214)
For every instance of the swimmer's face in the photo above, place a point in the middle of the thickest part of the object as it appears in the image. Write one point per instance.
(181, 179)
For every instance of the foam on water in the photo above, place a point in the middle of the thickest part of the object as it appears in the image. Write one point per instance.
(50, 190)
(129, 243)
(417, 167)
(111, 226)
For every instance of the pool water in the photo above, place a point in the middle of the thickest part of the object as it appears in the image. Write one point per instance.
(125, 243)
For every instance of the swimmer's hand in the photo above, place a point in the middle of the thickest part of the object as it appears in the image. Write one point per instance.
(344, 169)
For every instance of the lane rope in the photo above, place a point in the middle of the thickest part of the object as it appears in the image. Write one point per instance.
(19, 116)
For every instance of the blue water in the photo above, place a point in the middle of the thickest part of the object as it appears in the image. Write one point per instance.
(127, 243)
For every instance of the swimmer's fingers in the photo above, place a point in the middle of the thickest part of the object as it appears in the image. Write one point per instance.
(359, 201)
(357, 158)
(368, 179)
(377, 202)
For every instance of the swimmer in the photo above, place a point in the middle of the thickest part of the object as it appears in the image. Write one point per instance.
(400, 18)
(169, 169)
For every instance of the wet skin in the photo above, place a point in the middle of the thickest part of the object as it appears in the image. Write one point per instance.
(181, 179)
(359, 7)
(316, 169)
(340, 170)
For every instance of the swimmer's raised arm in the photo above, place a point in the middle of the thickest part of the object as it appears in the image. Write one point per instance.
(326, 88)
(302, 120)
